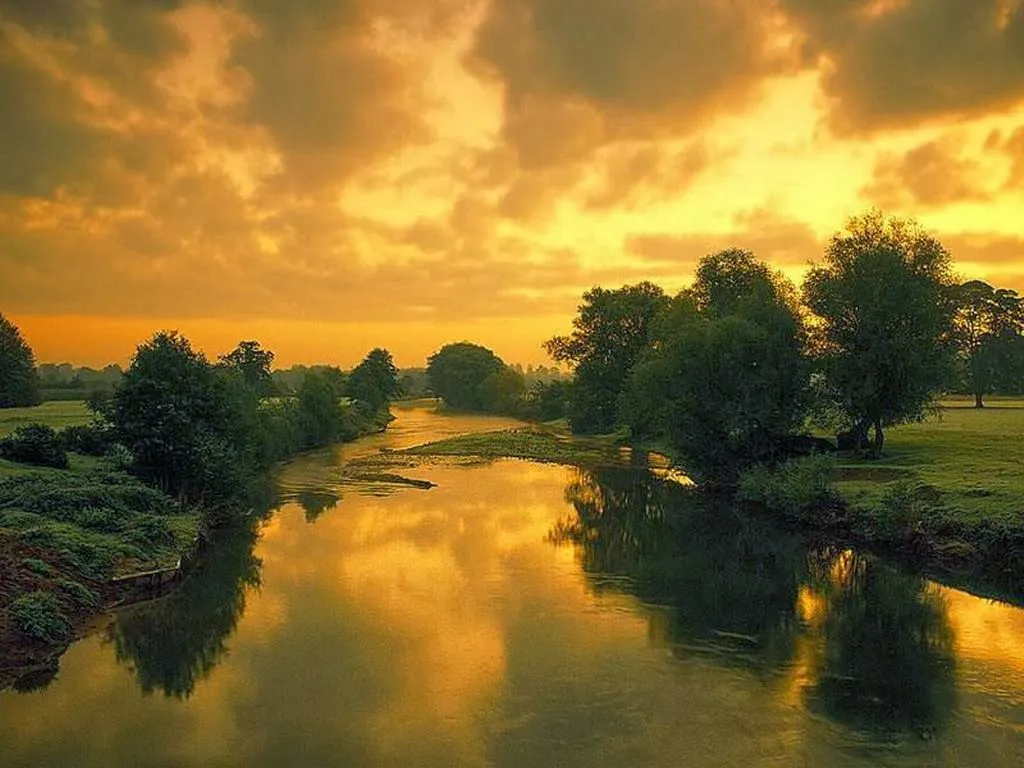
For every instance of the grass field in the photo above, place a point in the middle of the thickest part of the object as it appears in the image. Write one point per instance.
(973, 457)
(57, 414)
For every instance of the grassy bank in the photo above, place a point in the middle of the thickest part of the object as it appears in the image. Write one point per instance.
(56, 414)
(948, 494)
(64, 534)
(549, 443)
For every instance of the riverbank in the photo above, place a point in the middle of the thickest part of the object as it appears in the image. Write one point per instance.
(78, 541)
(947, 496)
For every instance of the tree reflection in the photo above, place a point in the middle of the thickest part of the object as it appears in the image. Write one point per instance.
(888, 659)
(174, 642)
(876, 643)
(730, 583)
(315, 502)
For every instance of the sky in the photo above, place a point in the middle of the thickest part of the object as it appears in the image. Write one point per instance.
(327, 176)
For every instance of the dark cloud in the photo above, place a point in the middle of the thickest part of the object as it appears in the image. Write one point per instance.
(897, 63)
(580, 73)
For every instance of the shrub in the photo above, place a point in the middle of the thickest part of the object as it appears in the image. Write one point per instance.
(80, 596)
(35, 444)
(38, 614)
(904, 504)
(796, 488)
(90, 439)
(37, 566)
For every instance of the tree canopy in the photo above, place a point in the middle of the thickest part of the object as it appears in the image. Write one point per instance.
(989, 331)
(19, 381)
(473, 378)
(724, 377)
(610, 331)
(250, 361)
(374, 382)
(881, 297)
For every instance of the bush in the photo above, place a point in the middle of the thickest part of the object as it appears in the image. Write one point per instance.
(37, 566)
(35, 444)
(38, 614)
(80, 596)
(796, 488)
(90, 439)
(904, 504)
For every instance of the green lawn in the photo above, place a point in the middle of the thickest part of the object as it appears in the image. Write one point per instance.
(974, 457)
(56, 413)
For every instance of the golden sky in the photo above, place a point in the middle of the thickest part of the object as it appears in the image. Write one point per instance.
(331, 175)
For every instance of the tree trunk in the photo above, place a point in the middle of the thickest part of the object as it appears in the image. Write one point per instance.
(977, 400)
(879, 438)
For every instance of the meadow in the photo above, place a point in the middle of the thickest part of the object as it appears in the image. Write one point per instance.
(973, 458)
(55, 413)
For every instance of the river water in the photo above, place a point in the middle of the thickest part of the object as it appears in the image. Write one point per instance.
(521, 614)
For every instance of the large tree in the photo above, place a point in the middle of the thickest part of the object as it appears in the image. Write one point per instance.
(472, 377)
(19, 381)
(989, 324)
(609, 333)
(724, 379)
(250, 361)
(883, 330)
(374, 382)
(187, 425)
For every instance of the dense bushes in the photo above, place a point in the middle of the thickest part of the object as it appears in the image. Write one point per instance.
(35, 444)
(796, 488)
(40, 615)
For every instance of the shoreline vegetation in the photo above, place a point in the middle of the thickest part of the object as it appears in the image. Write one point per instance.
(945, 497)
(107, 503)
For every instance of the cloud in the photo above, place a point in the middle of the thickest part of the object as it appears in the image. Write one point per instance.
(932, 174)
(777, 240)
(578, 74)
(891, 64)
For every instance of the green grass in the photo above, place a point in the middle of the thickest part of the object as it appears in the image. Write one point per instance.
(973, 457)
(543, 443)
(56, 414)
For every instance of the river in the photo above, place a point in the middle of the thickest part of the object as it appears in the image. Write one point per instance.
(521, 614)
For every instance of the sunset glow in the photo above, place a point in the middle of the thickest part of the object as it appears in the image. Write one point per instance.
(334, 175)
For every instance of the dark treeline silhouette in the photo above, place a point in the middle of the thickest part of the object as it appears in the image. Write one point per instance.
(731, 371)
(64, 381)
(19, 380)
(876, 645)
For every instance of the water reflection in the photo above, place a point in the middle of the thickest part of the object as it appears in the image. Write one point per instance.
(315, 502)
(174, 642)
(874, 647)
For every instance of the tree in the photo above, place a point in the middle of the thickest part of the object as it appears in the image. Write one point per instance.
(187, 430)
(374, 382)
(883, 329)
(252, 363)
(467, 376)
(609, 332)
(724, 380)
(320, 418)
(989, 330)
(19, 381)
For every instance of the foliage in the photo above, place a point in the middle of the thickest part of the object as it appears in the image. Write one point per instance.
(883, 329)
(319, 416)
(610, 331)
(94, 439)
(472, 378)
(798, 488)
(39, 615)
(724, 378)
(252, 363)
(35, 444)
(989, 332)
(187, 425)
(374, 382)
(19, 382)
(547, 401)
